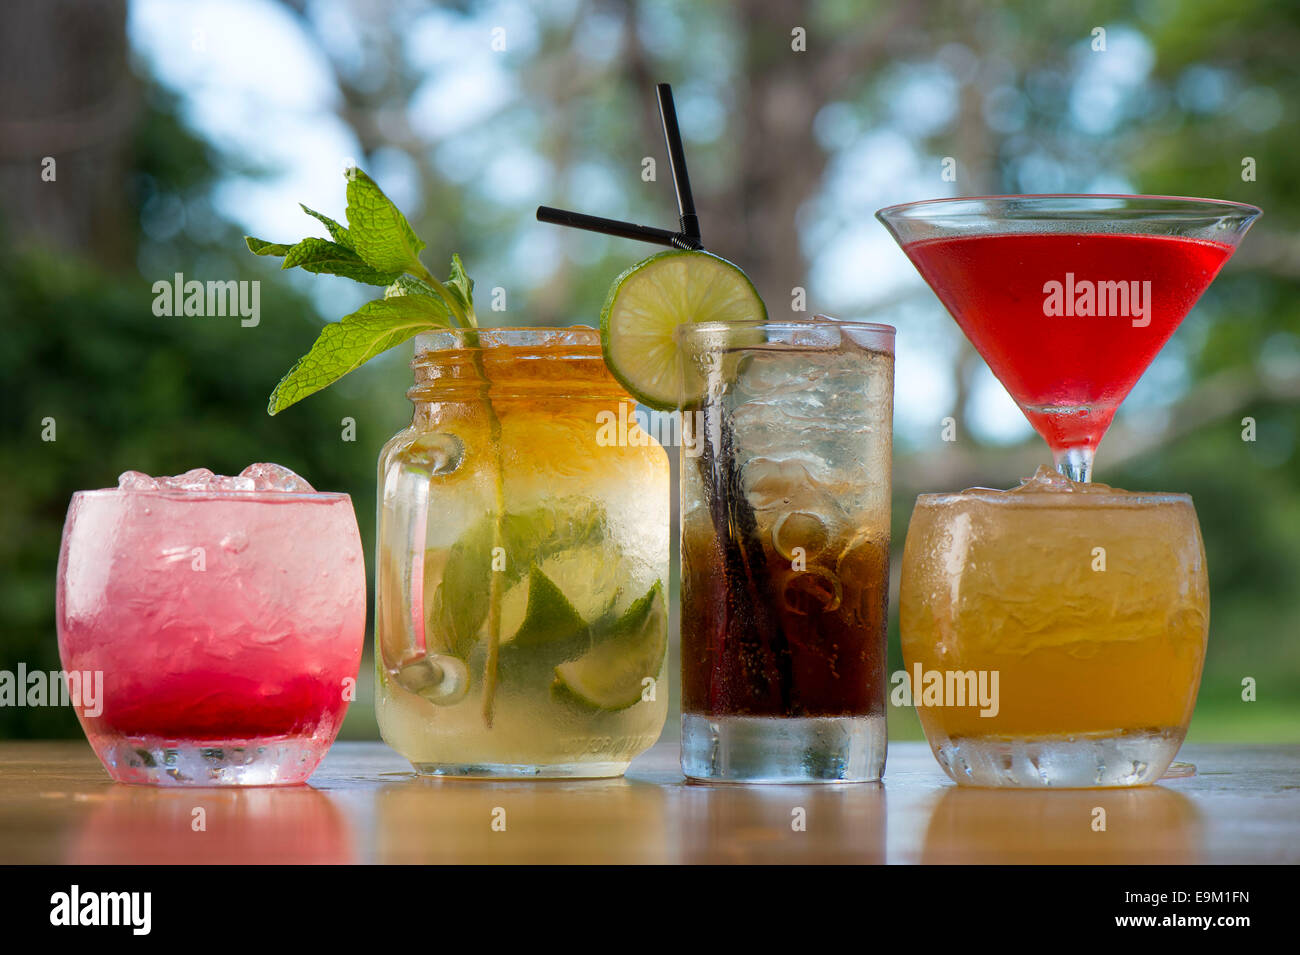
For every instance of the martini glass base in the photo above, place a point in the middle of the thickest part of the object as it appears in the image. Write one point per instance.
(1074, 463)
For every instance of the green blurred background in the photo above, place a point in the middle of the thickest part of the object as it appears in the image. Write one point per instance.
(177, 127)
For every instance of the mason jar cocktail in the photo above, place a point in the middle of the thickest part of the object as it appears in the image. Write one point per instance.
(521, 620)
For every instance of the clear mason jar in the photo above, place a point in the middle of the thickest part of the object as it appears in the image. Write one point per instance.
(522, 571)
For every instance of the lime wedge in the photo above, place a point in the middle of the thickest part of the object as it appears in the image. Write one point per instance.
(610, 676)
(456, 580)
(535, 612)
(589, 577)
(540, 628)
(647, 303)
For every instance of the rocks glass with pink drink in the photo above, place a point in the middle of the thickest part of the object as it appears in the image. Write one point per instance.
(226, 616)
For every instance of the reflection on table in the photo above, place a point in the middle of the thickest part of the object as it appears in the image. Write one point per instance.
(144, 825)
(1079, 826)
(366, 805)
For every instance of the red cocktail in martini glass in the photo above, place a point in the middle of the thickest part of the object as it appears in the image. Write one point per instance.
(1069, 297)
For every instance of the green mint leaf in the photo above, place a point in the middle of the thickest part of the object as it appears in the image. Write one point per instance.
(324, 256)
(262, 247)
(337, 232)
(461, 286)
(348, 344)
(410, 285)
(380, 233)
(460, 280)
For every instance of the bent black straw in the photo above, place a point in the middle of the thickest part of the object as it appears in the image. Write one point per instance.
(624, 230)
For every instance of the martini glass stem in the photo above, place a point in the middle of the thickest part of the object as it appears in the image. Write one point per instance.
(1074, 463)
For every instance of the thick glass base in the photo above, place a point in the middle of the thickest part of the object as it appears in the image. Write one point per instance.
(1065, 762)
(158, 762)
(769, 749)
(522, 771)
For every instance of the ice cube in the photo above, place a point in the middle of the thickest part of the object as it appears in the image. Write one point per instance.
(811, 592)
(202, 479)
(772, 482)
(195, 479)
(803, 530)
(136, 481)
(275, 477)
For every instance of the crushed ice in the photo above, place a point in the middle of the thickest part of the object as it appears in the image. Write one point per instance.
(255, 477)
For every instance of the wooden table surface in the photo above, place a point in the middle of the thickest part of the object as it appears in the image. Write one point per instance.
(365, 805)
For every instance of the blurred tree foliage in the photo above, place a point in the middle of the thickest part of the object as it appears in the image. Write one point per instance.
(1185, 91)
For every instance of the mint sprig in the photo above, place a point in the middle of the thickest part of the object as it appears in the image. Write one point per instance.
(376, 247)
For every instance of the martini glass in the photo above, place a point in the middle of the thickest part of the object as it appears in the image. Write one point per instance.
(1069, 297)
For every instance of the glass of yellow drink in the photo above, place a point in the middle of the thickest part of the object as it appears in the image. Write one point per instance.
(1054, 634)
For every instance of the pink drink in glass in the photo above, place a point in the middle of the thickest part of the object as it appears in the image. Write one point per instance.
(227, 624)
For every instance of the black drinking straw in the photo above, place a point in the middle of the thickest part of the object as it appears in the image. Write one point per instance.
(624, 230)
(749, 586)
(688, 237)
(686, 217)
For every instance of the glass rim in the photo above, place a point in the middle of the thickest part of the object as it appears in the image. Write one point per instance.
(1191, 207)
(688, 329)
(319, 497)
(1113, 498)
(507, 336)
